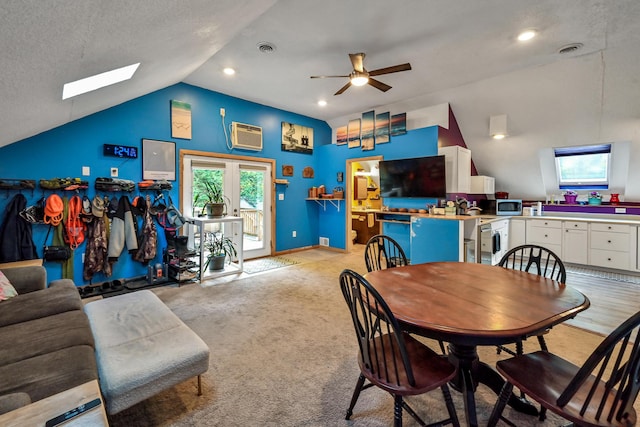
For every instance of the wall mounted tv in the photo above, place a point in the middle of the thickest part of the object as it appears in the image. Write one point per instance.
(415, 177)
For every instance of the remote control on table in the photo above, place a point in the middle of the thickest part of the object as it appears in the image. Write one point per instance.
(72, 413)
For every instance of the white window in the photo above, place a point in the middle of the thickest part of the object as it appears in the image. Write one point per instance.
(584, 167)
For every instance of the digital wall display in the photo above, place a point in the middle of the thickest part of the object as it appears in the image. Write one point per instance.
(122, 151)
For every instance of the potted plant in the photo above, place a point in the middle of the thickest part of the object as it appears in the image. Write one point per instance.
(219, 247)
(570, 196)
(213, 200)
(595, 198)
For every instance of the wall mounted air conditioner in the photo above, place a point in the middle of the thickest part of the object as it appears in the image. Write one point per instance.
(246, 137)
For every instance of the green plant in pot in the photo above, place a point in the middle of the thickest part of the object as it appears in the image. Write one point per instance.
(219, 247)
(212, 199)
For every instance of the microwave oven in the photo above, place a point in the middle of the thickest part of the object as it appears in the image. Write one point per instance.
(506, 207)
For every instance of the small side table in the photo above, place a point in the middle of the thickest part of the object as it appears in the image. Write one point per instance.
(38, 413)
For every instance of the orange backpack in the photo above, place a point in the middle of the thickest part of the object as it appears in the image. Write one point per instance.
(74, 226)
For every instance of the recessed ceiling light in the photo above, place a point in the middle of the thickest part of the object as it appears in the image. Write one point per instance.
(526, 35)
(229, 71)
(98, 81)
(322, 103)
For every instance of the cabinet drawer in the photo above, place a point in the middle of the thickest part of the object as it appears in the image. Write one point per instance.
(611, 228)
(544, 236)
(575, 225)
(604, 258)
(618, 242)
(545, 223)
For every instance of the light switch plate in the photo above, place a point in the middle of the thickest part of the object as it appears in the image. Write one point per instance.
(86, 171)
(281, 196)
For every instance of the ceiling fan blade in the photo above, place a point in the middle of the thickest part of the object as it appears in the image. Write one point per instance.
(388, 70)
(326, 77)
(343, 88)
(357, 60)
(379, 85)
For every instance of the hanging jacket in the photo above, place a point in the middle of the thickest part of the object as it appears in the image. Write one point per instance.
(16, 237)
(95, 257)
(123, 230)
(148, 238)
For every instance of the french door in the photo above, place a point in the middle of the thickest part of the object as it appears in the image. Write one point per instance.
(246, 186)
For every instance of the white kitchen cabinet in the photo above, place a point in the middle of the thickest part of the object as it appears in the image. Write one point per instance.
(457, 168)
(517, 232)
(547, 233)
(575, 247)
(481, 184)
(611, 245)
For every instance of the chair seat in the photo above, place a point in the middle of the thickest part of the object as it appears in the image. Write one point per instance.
(546, 376)
(430, 370)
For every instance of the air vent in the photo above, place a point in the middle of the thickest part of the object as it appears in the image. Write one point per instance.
(570, 48)
(247, 137)
(266, 47)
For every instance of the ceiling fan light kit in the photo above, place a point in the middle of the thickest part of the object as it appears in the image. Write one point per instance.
(360, 76)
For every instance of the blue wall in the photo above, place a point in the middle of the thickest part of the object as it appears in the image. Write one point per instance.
(63, 151)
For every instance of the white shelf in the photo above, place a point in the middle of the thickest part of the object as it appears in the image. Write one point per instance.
(236, 223)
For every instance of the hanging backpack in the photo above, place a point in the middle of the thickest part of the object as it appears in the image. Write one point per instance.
(74, 226)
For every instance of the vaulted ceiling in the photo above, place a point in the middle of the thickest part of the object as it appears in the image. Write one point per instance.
(462, 51)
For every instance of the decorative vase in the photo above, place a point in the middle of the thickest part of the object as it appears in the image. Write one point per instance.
(595, 201)
(614, 199)
(570, 199)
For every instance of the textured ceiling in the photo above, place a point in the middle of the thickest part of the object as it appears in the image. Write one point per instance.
(450, 45)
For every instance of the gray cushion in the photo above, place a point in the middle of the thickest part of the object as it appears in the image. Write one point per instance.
(60, 297)
(142, 348)
(44, 335)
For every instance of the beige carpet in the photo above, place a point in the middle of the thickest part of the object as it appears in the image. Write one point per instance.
(283, 353)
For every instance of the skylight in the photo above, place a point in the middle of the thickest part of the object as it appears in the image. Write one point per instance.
(98, 81)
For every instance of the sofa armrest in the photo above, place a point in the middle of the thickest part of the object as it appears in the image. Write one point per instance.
(27, 279)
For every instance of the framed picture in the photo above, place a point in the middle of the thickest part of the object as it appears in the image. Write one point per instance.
(158, 160)
(368, 131)
(399, 124)
(296, 138)
(341, 135)
(180, 120)
(382, 128)
(353, 133)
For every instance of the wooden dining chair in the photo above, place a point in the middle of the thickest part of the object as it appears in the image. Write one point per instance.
(536, 260)
(601, 392)
(383, 252)
(390, 358)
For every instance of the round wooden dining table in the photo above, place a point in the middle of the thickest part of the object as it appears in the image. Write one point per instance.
(469, 304)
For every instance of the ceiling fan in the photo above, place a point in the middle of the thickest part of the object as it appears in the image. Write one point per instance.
(360, 76)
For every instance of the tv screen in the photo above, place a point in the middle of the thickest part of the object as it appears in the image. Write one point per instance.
(416, 177)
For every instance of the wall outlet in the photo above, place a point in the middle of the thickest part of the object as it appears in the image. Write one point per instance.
(621, 210)
(281, 196)
(293, 234)
(222, 112)
(114, 172)
(86, 171)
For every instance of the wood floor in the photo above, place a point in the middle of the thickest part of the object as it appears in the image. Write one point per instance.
(612, 302)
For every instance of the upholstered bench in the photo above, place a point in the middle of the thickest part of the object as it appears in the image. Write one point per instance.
(142, 348)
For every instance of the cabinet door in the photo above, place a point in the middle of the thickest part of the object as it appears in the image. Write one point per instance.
(517, 233)
(457, 168)
(575, 242)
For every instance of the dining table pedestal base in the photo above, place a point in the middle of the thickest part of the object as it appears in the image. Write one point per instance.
(471, 372)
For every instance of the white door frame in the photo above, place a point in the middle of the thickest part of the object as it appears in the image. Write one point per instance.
(186, 156)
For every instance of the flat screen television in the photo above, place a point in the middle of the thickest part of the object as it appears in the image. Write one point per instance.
(415, 177)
